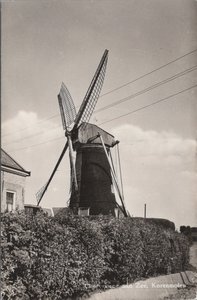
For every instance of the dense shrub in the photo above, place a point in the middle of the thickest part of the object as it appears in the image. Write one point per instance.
(66, 256)
(164, 223)
(189, 232)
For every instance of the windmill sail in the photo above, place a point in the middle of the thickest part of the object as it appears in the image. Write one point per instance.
(93, 93)
(41, 192)
(67, 107)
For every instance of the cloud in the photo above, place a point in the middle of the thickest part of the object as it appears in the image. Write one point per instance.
(26, 129)
(159, 168)
(155, 148)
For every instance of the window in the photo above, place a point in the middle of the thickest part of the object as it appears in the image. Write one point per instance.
(10, 201)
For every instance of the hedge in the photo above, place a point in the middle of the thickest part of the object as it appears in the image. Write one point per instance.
(68, 256)
(162, 222)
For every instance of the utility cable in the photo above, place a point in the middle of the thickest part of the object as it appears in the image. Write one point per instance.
(38, 122)
(107, 121)
(151, 104)
(146, 74)
(34, 145)
(115, 89)
(127, 98)
(30, 136)
(182, 73)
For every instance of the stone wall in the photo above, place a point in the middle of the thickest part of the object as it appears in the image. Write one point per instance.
(12, 183)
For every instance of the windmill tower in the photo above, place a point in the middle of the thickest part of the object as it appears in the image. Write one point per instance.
(92, 172)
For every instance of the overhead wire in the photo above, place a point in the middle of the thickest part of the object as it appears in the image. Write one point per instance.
(30, 136)
(146, 74)
(115, 89)
(38, 122)
(34, 145)
(123, 115)
(150, 88)
(148, 105)
(177, 75)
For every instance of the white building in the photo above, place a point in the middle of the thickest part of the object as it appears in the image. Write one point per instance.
(13, 178)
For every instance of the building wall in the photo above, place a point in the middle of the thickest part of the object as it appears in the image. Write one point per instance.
(12, 183)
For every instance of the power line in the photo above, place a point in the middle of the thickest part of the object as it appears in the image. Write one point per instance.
(153, 103)
(30, 136)
(126, 98)
(37, 144)
(115, 89)
(146, 74)
(43, 120)
(148, 88)
(141, 108)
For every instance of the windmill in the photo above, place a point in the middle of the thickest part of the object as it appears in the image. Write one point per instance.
(91, 166)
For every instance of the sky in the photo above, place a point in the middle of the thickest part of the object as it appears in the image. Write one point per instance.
(46, 42)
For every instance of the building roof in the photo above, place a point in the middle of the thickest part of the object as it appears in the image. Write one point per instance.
(10, 165)
(88, 132)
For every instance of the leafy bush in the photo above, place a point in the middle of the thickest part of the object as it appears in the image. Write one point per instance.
(68, 256)
(162, 222)
(188, 232)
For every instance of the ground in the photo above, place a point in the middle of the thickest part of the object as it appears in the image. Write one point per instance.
(158, 288)
(189, 293)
